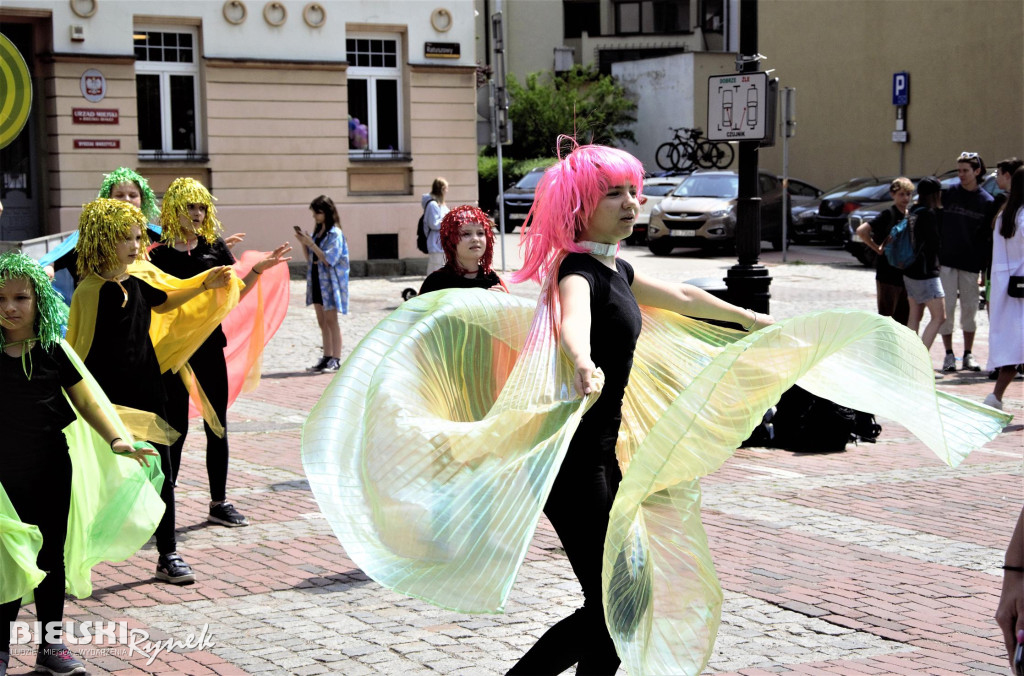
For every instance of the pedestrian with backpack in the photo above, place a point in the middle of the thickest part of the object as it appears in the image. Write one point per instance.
(921, 276)
(434, 210)
(892, 296)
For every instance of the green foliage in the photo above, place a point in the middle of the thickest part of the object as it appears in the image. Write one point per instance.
(580, 102)
(512, 170)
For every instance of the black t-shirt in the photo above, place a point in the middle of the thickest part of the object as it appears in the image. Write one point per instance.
(447, 278)
(185, 264)
(33, 412)
(122, 358)
(614, 329)
(924, 224)
(880, 227)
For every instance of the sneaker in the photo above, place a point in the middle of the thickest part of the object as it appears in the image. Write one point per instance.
(172, 568)
(332, 365)
(57, 660)
(991, 400)
(970, 363)
(949, 362)
(319, 366)
(226, 515)
(993, 374)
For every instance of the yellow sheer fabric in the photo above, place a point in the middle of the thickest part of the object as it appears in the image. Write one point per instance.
(434, 448)
(115, 508)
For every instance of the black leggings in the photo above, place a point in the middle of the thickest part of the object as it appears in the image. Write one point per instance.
(42, 496)
(578, 508)
(212, 373)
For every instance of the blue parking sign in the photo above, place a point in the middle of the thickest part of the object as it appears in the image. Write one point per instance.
(900, 88)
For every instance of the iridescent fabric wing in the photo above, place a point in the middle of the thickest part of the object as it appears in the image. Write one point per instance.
(19, 546)
(662, 598)
(434, 448)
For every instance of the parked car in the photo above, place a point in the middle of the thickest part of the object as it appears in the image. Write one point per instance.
(701, 212)
(655, 189)
(802, 196)
(825, 220)
(518, 199)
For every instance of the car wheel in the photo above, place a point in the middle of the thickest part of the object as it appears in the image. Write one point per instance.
(509, 226)
(660, 247)
(776, 242)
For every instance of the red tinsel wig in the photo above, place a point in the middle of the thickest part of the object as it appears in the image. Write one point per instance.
(450, 236)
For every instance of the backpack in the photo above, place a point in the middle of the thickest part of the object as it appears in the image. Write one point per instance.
(900, 249)
(421, 233)
(805, 423)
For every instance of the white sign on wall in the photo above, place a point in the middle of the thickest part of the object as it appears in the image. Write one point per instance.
(737, 107)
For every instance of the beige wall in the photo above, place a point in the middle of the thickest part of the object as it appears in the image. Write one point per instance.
(966, 65)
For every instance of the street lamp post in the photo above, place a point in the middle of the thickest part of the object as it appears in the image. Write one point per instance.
(748, 281)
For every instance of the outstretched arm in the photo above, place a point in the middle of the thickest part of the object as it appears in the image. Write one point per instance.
(270, 260)
(686, 299)
(215, 278)
(90, 410)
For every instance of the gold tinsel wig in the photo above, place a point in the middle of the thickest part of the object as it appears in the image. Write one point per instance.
(180, 194)
(103, 223)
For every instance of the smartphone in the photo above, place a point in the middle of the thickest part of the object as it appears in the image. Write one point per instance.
(1018, 660)
(297, 228)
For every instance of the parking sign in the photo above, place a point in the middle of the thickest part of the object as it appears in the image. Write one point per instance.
(900, 88)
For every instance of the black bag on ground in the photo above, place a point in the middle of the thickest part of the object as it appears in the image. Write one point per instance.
(806, 423)
(421, 234)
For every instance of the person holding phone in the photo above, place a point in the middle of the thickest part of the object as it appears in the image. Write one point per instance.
(326, 253)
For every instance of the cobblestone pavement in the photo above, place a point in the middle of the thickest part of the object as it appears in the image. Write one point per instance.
(879, 560)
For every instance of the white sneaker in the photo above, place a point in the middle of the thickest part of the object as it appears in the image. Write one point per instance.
(991, 400)
(949, 363)
(970, 363)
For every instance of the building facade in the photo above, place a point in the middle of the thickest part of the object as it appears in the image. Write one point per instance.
(269, 104)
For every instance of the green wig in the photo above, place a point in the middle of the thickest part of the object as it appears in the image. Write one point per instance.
(126, 175)
(51, 311)
(103, 223)
(183, 192)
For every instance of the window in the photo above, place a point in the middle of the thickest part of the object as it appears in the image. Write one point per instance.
(374, 97)
(167, 92)
(581, 16)
(652, 16)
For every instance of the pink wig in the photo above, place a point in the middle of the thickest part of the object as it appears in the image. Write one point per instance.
(564, 201)
(450, 236)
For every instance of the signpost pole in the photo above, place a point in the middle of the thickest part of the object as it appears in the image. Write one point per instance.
(499, 120)
(748, 281)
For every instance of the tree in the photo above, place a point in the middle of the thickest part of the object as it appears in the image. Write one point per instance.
(580, 102)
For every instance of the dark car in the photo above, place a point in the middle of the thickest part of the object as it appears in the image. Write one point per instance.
(519, 199)
(826, 220)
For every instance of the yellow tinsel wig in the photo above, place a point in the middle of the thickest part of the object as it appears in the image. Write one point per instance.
(183, 192)
(103, 223)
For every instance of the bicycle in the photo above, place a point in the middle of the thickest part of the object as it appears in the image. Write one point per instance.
(688, 151)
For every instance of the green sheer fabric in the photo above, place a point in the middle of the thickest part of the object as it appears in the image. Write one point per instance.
(115, 508)
(434, 448)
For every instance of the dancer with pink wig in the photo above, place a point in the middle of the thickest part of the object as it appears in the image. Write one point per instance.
(585, 205)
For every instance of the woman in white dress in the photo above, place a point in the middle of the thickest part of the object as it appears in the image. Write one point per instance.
(1006, 314)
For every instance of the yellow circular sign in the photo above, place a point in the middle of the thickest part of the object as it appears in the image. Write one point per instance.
(15, 92)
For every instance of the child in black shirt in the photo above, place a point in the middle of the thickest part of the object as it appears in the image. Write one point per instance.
(467, 238)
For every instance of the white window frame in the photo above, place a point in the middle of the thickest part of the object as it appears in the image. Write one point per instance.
(372, 75)
(165, 69)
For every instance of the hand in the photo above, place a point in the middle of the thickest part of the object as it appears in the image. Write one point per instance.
(273, 258)
(48, 269)
(217, 277)
(763, 321)
(589, 379)
(138, 452)
(232, 240)
(304, 239)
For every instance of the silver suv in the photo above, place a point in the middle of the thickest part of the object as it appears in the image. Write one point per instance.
(701, 213)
